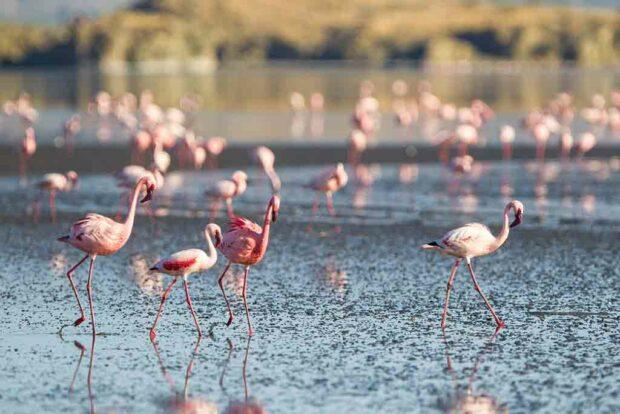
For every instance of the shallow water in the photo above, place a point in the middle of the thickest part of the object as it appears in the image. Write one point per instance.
(346, 309)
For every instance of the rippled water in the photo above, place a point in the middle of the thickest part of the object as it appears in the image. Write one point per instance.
(346, 309)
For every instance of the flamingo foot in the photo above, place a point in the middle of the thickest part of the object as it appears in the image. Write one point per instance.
(230, 321)
(500, 325)
(153, 335)
(79, 321)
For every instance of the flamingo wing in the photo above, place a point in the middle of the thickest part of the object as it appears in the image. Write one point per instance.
(179, 262)
(239, 244)
(99, 229)
(463, 238)
(242, 223)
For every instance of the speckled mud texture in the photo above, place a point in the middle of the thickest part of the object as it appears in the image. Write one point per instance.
(346, 309)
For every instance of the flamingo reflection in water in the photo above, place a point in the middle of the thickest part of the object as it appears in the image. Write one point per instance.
(248, 405)
(180, 402)
(89, 377)
(471, 401)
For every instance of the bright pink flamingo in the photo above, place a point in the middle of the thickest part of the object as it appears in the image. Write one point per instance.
(328, 182)
(184, 263)
(227, 190)
(98, 235)
(52, 183)
(245, 243)
(474, 240)
(266, 159)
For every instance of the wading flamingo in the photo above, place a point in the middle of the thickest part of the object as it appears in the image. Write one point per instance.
(266, 158)
(184, 263)
(245, 243)
(98, 235)
(27, 149)
(507, 136)
(128, 176)
(227, 190)
(328, 182)
(474, 240)
(52, 183)
(357, 142)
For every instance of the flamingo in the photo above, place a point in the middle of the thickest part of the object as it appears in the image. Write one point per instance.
(245, 243)
(127, 178)
(587, 141)
(53, 183)
(28, 148)
(214, 146)
(541, 135)
(183, 264)
(328, 182)
(69, 130)
(266, 158)
(566, 143)
(357, 144)
(227, 190)
(161, 159)
(466, 135)
(97, 235)
(140, 142)
(507, 137)
(474, 240)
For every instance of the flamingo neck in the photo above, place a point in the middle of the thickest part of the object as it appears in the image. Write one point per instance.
(211, 252)
(264, 241)
(134, 202)
(503, 234)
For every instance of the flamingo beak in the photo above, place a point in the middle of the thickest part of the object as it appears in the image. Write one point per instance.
(218, 239)
(149, 193)
(274, 215)
(518, 219)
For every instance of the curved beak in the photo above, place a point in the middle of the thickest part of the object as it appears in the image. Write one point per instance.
(518, 219)
(149, 194)
(218, 239)
(274, 215)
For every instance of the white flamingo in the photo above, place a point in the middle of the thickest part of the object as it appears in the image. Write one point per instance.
(474, 240)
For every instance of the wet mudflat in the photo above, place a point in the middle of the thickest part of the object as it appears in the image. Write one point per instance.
(346, 309)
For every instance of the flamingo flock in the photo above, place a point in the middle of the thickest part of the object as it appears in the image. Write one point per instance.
(161, 138)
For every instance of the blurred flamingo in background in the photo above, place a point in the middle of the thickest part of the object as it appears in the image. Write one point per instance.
(328, 182)
(140, 142)
(566, 144)
(474, 240)
(541, 135)
(69, 130)
(245, 243)
(357, 143)
(98, 235)
(266, 159)
(227, 190)
(128, 176)
(214, 146)
(52, 183)
(27, 149)
(184, 263)
(466, 135)
(587, 141)
(507, 137)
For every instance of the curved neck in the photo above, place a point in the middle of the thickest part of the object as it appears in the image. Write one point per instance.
(211, 252)
(264, 241)
(133, 204)
(503, 234)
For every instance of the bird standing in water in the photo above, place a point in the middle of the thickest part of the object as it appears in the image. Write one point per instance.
(98, 235)
(474, 240)
(245, 243)
(52, 183)
(184, 263)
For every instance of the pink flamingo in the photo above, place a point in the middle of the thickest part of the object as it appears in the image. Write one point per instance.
(266, 159)
(566, 144)
(184, 263)
(227, 190)
(97, 235)
(214, 146)
(541, 135)
(69, 130)
(52, 183)
(140, 142)
(127, 178)
(474, 240)
(357, 144)
(245, 243)
(587, 141)
(328, 182)
(507, 137)
(466, 135)
(28, 148)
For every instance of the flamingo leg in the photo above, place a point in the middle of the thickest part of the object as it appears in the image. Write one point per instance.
(89, 289)
(448, 290)
(77, 367)
(53, 205)
(245, 300)
(89, 380)
(498, 321)
(75, 292)
(188, 299)
(161, 308)
(315, 206)
(229, 208)
(219, 281)
(330, 204)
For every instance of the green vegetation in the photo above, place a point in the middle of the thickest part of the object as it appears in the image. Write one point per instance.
(374, 30)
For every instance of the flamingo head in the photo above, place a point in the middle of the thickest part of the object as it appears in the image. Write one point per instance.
(275, 207)
(149, 184)
(216, 232)
(517, 207)
(72, 176)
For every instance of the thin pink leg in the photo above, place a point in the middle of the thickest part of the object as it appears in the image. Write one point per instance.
(89, 381)
(245, 300)
(53, 205)
(245, 367)
(75, 292)
(448, 290)
(219, 281)
(498, 321)
(82, 349)
(89, 289)
(330, 204)
(229, 208)
(188, 299)
(190, 366)
(161, 307)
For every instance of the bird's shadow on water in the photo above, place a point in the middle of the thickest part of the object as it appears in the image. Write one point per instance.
(467, 399)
